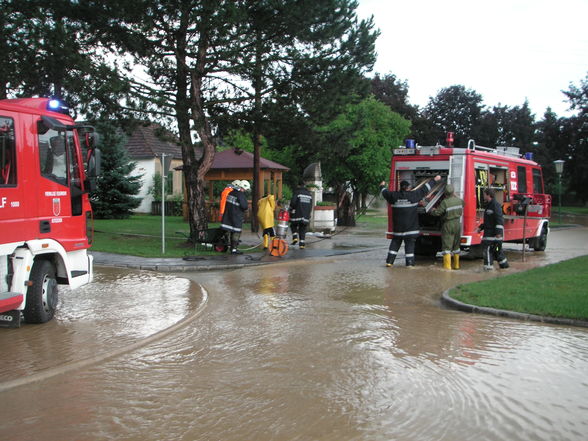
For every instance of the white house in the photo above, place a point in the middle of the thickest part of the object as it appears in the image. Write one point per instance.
(145, 147)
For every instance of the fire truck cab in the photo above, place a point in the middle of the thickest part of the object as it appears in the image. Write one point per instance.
(45, 212)
(516, 180)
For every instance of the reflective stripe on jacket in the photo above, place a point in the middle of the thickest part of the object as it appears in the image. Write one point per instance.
(493, 220)
(404, 209)
(450, 208)
(301, 205)
(234, 209)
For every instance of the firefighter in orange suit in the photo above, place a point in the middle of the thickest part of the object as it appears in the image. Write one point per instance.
(265, 216)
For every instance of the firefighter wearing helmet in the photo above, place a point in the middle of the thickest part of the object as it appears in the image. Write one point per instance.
(405, 217)
(235, 207)
(300, 210)
(493, 228)
(450, 210)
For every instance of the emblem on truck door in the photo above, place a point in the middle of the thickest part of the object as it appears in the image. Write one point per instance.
(56, 206)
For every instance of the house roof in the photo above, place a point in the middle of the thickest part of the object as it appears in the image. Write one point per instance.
(149, 141)
(239, 159)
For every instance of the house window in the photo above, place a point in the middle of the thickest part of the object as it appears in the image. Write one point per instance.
(169, 183)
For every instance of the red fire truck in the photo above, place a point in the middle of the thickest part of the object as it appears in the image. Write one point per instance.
(45, 213)
(516, 179)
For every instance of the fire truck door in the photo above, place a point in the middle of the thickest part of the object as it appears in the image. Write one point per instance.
(74, 175)
(54, 164)
(11, 204)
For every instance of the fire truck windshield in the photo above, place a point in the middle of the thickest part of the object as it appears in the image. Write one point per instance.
(58, 160)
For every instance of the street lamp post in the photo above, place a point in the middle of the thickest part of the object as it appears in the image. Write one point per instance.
(559, 170)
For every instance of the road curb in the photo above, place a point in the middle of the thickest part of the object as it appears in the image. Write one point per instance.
(449, 301)
(103, 259)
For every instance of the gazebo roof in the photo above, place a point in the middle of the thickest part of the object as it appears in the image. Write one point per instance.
(239, 159)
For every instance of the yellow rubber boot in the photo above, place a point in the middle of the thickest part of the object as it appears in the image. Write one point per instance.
(447, 261)
(456, 261)
(265, 241)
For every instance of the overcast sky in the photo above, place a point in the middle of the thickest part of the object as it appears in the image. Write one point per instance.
(506, 50)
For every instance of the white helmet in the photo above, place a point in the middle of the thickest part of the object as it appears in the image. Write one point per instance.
(245, 185)
(235, 183)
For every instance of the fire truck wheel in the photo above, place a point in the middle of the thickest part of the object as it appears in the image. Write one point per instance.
(540, 243)
(42, 294)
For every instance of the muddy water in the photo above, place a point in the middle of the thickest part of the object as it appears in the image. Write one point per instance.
(338, 348)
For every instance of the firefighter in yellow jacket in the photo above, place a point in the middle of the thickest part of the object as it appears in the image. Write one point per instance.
(265, 216)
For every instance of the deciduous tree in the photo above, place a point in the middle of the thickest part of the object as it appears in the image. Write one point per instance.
(455, 109)
(360, 143)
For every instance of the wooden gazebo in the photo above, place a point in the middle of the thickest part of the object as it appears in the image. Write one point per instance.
(234, 164)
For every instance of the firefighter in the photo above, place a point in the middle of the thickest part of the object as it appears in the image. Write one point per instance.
(493, 228)
(300, 208)
(405, 217)
(223, 199)
(265, 216)
(450, 210)
(236, 205)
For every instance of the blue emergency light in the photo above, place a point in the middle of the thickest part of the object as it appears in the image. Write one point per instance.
(57, 106)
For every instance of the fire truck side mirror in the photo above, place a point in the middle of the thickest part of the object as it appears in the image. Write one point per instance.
(93, 168)
(91, 139)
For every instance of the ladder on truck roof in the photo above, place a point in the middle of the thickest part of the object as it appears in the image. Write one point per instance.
(513, 152)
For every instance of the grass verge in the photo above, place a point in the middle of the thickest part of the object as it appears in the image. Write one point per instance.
(569, 210)
(140, 235)
(557, 290)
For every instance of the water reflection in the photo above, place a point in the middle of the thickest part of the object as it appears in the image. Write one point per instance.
(330, 349)
(120, 307)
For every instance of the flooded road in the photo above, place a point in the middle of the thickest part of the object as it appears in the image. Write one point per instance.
(336, 348)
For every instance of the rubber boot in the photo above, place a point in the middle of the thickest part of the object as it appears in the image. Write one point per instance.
(447, 261)
(265, 241)
(456, 261)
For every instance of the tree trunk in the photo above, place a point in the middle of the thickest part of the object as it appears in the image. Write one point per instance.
(190, 105)
(257, 116)
(197, 204)
(345, 208)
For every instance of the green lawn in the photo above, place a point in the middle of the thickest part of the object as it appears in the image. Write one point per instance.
(140, 235)
(569, 210)
(557, 290)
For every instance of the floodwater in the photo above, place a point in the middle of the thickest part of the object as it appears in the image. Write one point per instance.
(336, 348)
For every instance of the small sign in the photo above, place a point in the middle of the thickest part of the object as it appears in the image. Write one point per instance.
(513, 174)
(404, 151)
(166, 163)
(513, 186)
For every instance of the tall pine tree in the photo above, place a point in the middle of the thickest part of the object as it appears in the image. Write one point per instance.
(116, 188)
